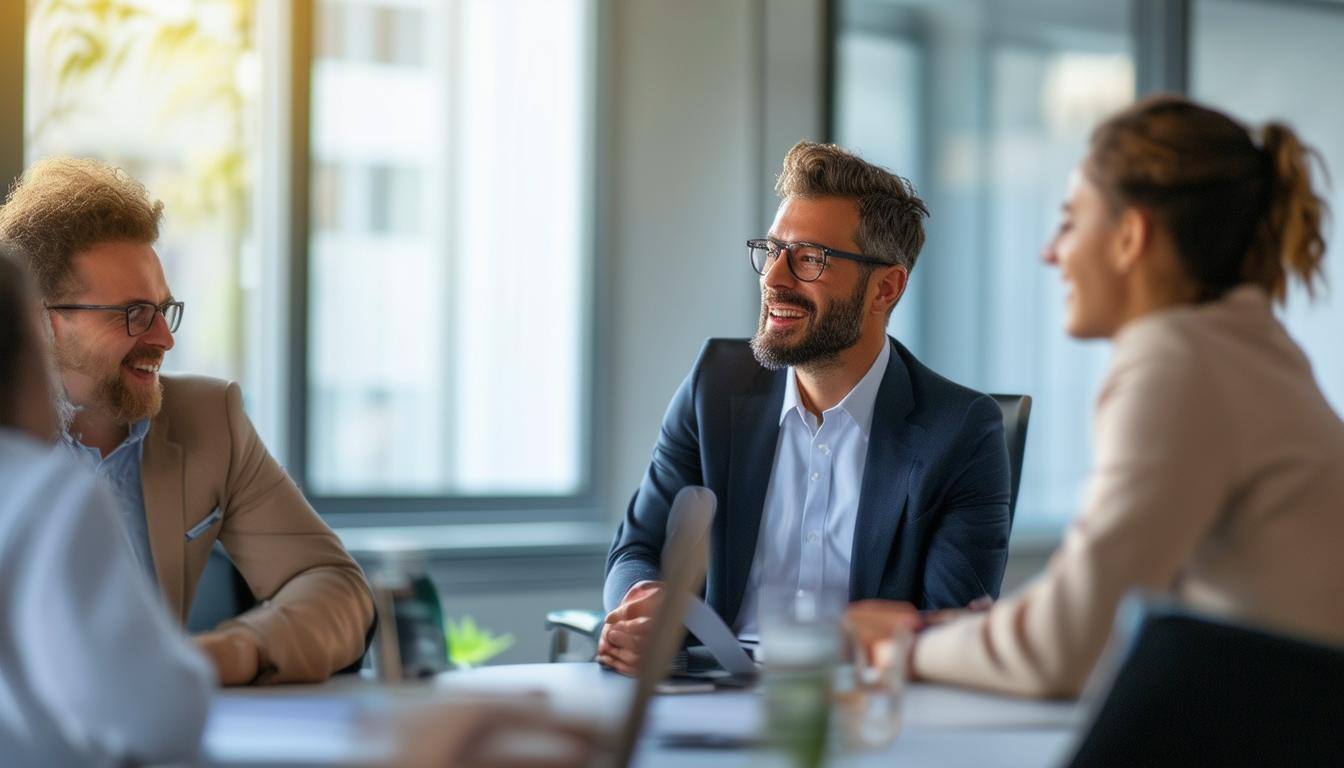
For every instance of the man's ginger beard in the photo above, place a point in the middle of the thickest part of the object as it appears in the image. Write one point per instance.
(124, 404)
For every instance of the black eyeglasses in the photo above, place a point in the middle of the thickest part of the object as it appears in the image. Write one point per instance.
(139, 314)
(806, 260)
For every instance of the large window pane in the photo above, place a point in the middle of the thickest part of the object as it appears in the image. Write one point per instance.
(1298, 84)
(447, 281)
(987, 107)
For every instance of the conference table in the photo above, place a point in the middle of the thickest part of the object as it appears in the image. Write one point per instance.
(337, 723)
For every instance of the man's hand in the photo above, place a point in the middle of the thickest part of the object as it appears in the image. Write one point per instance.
(627, 627)
(235, 652)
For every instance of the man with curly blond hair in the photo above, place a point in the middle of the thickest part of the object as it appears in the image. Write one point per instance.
(182, 457)
(841, 464)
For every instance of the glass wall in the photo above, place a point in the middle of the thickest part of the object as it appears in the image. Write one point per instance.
(1298, 85)
(448, 341)
(986, 107)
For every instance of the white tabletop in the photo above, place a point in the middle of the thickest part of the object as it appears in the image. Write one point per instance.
(328, 724)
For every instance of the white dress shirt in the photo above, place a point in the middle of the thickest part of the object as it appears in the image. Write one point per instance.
(807, 525)
(92, 669)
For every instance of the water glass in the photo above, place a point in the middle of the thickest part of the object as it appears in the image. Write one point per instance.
(869, 691)
(801, 643)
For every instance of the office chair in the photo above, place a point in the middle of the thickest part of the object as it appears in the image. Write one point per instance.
(1194, 690)
(221, 594)
(1016, 415)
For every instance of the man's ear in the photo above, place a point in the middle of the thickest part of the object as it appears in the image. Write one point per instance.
(1134, 237)
(891, 282)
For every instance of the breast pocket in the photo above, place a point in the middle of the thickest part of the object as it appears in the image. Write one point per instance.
(206, 523)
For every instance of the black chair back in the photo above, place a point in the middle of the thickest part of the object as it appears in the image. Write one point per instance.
(1196, 691)
(1016, 413)
(221, 594)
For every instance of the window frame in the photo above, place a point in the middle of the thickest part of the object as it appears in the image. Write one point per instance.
(585, 503)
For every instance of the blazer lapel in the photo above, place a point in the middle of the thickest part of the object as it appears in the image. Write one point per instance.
(892, 458)
(163, 480)
(754, 435)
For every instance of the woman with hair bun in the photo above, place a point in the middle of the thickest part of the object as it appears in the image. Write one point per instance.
(1218, 467)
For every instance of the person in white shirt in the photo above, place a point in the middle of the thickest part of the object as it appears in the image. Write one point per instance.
(92, 669)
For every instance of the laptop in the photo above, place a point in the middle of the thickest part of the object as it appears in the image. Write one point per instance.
(684, 562)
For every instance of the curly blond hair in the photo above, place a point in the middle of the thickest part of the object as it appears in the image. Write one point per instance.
(65, 205)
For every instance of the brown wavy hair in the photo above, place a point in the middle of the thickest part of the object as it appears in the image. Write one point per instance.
(1239, 210)
(64, 205)
(891, 215)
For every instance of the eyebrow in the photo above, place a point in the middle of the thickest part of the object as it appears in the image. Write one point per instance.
(137, 300)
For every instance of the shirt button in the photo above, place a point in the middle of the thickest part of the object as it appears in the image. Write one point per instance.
(816, 476)
(824, 448)
(813, 538)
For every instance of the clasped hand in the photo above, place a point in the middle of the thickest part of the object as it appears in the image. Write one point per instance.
(627, 628)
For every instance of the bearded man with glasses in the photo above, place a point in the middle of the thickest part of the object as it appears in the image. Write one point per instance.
(179, 453)
(842, 465)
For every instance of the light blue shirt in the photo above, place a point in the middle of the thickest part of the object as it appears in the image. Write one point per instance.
(807, 525)
(120, 473)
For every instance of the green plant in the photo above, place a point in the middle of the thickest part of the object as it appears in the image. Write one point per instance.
(470, 645)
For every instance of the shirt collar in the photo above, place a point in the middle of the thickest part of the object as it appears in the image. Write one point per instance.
(135, 434)
(858, 404)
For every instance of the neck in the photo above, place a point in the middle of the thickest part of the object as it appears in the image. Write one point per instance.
(821, 387)
(1162, 289)
(98, 430)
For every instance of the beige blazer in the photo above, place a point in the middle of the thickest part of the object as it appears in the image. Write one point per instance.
(202, 454)
(1218, 479)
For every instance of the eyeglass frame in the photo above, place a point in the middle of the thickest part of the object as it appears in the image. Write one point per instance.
(125, 309)
(826, 254)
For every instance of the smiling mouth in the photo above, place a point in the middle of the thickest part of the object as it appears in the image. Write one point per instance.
(786, 312)
(784, 318)
(143, 369)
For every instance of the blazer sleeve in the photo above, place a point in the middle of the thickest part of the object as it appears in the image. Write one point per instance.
(99, 650)
(636, 549)
(1164, 459)
(968, 549)
(316, 607)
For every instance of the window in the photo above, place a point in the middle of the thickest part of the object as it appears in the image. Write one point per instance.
(447, 318)
(986, 107)
(447, 282)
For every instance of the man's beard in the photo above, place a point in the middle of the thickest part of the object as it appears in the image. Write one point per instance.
(829, 335)
(123, 404)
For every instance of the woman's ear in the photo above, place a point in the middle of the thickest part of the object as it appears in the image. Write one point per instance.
(1133, 239)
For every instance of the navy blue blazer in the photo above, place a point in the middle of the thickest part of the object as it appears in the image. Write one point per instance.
(932, 526)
